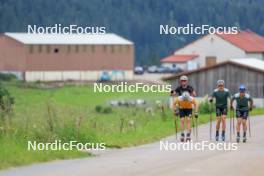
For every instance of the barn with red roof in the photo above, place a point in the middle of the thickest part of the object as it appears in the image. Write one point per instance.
(212, 49)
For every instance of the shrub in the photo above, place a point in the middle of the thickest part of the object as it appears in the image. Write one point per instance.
(30, 85)
(7, 76)
(98, 108)
(205, 107)
(6, 101)
(101, 109)
(107, 110)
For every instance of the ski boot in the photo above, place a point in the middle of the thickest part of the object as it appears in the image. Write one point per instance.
(182, 137)
(217, 136)
(244, 137)
(223, 136)
(238, 137)
(188, 137)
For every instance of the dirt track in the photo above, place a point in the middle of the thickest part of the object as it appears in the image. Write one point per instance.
(149, 160)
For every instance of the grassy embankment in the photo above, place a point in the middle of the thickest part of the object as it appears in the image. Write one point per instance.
(68, 113)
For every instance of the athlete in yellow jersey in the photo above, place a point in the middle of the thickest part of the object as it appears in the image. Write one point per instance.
(183, 106)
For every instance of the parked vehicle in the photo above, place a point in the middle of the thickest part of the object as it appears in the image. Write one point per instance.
(163, 69)
(104, 77)
(176, 70)
(139, 70)
(152, 69)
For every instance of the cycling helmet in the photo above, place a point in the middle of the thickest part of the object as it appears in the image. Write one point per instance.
(242, 88)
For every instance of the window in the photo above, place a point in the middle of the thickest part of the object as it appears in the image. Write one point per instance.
(84, 48)
(76, 48)
(105, 48)
(87, 48)
(56, 50)
(39, 48)
(68, 48)
(48, 49)
(93, 48)
(112, 48)
(120, 48)
(31, 49)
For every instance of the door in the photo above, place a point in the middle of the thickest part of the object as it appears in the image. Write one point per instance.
(210, 60)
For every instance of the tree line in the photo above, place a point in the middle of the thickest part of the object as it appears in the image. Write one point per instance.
(135, 20)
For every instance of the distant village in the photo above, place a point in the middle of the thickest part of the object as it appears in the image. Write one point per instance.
(236, 58)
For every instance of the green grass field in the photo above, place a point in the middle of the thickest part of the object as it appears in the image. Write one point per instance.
(68, 113)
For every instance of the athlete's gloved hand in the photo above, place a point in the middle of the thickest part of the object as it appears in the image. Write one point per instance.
(196, 114)
(210, 100)
(250, 108)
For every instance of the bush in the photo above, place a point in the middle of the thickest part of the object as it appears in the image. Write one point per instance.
(98, 108)
(7, 76)
(205, 107)
(6, 101)
(101, 109)
(107, 110)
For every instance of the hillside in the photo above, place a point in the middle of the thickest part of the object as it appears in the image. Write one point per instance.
(136, 20)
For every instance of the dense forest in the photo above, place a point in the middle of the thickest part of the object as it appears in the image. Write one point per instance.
(137, 20)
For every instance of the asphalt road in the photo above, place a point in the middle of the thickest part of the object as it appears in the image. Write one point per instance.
(148, 159)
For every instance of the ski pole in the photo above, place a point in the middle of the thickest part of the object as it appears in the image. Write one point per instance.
(193, 127)
(211, 124)
(233, 119)
(230, 122)
(175, 124)
(196, 128)
(249, 128)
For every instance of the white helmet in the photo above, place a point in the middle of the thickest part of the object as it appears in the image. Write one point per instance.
(220, 82)
(186, 95)
(183, 78)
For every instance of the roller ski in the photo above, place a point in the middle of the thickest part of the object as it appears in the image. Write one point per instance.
(182, 139)
(188, 137)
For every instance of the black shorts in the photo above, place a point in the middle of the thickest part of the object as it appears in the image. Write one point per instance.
(185, 113)
(221, 111)
(242, 114)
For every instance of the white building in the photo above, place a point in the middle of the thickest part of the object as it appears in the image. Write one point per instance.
(184, 62)
(215, 48)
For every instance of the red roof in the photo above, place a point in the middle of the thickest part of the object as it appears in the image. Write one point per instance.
(178, 58)
(246, 40)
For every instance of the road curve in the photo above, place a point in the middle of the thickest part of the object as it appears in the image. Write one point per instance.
(147, 160)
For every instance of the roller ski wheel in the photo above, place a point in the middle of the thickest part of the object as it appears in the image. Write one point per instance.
(216, 138)
(238, 139)
(188, 139)
(182, 139)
